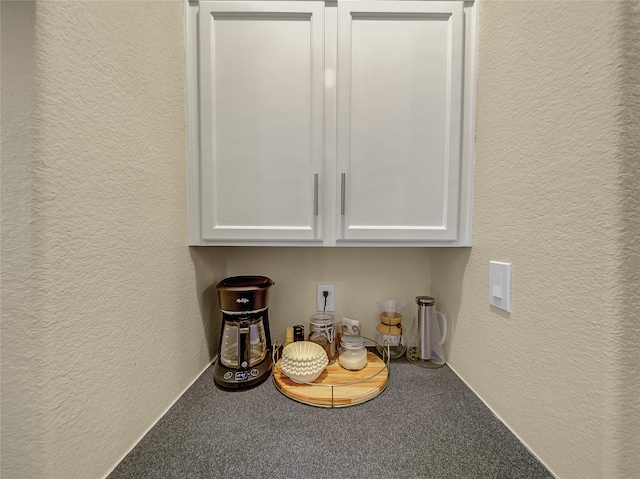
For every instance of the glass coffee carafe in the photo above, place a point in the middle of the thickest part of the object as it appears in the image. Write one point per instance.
(390, 333)
(244, 337)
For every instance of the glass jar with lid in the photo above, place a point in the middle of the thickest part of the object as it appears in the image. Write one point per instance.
(353, 354)
(322, 328)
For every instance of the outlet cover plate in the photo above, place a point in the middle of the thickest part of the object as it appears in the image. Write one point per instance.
(331, 299)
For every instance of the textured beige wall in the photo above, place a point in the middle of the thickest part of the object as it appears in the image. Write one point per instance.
(554, 195)
(360, 275)
(624, 438)
(107, 316)
(20, 414)
(108, 329)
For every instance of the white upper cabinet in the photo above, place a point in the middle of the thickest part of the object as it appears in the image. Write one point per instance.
(349, 123)
(399, 119)
(261, 120)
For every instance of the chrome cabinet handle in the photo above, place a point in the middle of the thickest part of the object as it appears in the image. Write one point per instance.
(315, 194)
(342, 192)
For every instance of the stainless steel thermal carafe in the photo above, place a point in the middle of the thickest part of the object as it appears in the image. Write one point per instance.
(425, 346)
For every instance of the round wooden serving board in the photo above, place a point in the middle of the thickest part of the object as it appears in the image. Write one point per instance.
(336, 386)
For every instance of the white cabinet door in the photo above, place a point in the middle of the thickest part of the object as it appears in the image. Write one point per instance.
(399, 115)
(261, 97)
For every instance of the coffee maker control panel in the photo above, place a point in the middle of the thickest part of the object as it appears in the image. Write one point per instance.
(241, 375)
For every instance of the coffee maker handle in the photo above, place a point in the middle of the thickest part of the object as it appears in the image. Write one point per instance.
(443, 330)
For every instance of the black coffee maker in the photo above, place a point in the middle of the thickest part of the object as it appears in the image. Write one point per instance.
(244, 358)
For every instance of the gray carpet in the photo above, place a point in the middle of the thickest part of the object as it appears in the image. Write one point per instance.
(426, 424)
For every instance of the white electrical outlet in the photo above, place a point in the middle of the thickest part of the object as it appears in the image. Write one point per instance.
(330, 305)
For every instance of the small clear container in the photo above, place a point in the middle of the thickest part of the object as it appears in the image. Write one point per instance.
(353, 354)
(322, 331)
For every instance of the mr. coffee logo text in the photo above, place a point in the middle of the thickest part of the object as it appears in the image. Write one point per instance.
(242, 300)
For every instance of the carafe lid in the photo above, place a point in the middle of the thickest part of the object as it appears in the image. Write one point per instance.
(425, 300)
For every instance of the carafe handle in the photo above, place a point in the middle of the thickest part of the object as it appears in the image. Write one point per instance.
(244, 344)
(442, 331)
